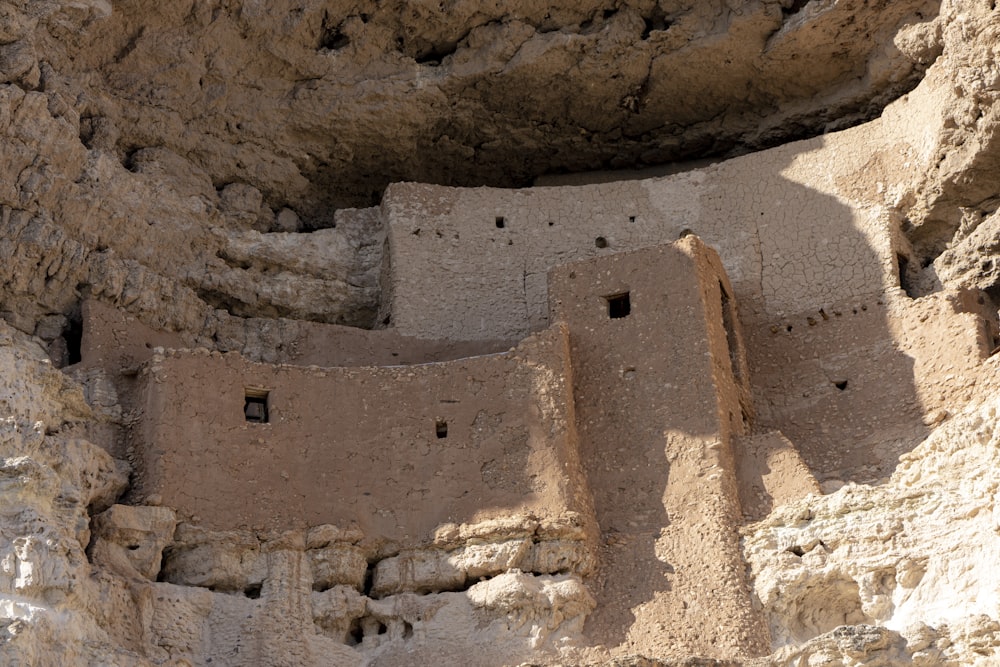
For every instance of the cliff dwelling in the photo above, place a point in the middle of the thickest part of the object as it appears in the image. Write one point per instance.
(636, 333)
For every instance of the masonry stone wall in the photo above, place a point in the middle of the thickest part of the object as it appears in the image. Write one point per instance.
(398, 450)
(660, 391)
(470, 263)
(118, 341)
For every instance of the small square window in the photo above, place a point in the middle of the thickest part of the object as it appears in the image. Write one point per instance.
(441, 428)
(501, 223)
(255, 406)
(619, 305)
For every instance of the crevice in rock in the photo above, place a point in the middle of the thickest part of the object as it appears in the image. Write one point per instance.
(437, 53)
(656, 21)
(233, 262)
(793, 8)
(221, 301)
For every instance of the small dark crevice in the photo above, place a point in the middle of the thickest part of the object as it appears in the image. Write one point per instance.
(436, 54)
(231, 261)
(129, 160)
(729, 319)
(73, 335)
(366, 589)
(840, 384)
(794, 8)
(905, 283)
(355, 634)
(797, 550)
(238, 308)
(253, 591)
(334, 40)
(226, 302)
(655, 22)
(331, 36)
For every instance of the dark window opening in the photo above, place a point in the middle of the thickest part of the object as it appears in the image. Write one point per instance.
(501, 223)
(255, 406)
(631, 218)
(253, 591)
(441, 428)
(619, 305)
(601, 242)
(841, 385)
(729, 324)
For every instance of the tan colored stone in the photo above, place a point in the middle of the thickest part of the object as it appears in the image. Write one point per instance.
(129, 540)
(339, 564)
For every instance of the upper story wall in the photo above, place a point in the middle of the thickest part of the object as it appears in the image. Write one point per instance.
(470, 263)
(398, 450)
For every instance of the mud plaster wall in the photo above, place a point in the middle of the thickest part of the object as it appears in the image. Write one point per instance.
(114, 340)
(657, 402)
(859, 372)
(363, 445)
(471, 263)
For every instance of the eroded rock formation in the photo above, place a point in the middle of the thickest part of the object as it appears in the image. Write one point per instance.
(201, 170)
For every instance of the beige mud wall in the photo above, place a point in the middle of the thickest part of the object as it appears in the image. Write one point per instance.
(457, 273)
(658, 399)
(362, 446)
(805, 231)
(117, 341)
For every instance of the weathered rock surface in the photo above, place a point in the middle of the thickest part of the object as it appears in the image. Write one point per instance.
(192, 163)
(237, 598)
(897, 555)
(314, 103)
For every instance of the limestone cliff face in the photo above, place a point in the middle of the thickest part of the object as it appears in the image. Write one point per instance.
(196, 165)
(910, 560)
(460, 92)
(212, 132)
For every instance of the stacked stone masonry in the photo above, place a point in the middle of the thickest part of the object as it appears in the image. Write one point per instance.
(618, 415)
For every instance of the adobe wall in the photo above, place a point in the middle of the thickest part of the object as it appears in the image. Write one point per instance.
(857, 383)
(361, 445)
(115, 340)
(659, 394)
(457, 273)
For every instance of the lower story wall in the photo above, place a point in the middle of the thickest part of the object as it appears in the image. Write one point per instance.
(398, 451)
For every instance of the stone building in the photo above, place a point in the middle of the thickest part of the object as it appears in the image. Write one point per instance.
(618, 416)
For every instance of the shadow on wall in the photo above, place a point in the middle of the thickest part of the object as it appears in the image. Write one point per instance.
(658, 395)
(826, 369)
